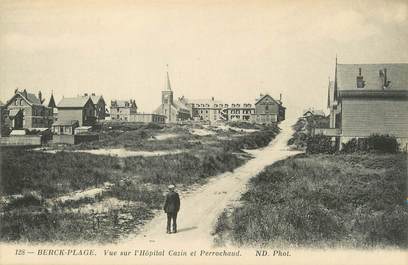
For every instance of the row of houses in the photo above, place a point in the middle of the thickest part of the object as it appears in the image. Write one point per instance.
(366, 99)
(75, 115)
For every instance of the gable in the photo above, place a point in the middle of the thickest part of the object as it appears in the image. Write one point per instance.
(15, 97)
(267, 99)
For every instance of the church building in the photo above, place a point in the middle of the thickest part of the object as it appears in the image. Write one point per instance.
(174, 110)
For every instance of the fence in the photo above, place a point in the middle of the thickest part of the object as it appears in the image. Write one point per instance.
(26, 140)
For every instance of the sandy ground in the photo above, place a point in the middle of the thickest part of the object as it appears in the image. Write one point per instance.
(164, 136)
(200, 209)
(119, 152)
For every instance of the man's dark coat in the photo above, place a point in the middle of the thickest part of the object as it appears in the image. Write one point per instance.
(172, 204)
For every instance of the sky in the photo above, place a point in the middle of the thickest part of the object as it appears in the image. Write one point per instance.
(230, 50)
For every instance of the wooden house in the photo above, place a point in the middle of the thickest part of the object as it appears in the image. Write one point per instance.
(79, 109)
(268, 110)
(65, 127)
(366, 99)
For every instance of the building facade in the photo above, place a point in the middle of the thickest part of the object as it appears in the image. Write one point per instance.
(65, 127)
(79, 109)
(26, 111)
(99, 104)
(148, 118)
(268, 110)
(366, 99)
(122, 110)
(173, 110)
(265, 110)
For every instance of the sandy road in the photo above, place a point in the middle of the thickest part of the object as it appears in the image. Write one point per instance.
(201, 208)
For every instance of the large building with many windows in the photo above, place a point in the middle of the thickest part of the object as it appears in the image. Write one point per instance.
(264, 110)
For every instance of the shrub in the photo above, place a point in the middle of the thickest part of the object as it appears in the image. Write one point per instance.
(320, 144)
(374, 143)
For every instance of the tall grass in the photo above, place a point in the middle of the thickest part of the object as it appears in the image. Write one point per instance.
(139, 180)
(324, 201)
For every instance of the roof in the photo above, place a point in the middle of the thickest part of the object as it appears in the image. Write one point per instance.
(264, 96)
(396, 94)
(180, 105)
(30, 98)
(396, 73)
(122, 104)
(95, 98)
(51, 103)
(65, 123)
(204, 101)
(314, 112)
(77, 102)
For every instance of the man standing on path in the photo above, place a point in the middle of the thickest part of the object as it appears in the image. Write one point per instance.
(171, 207)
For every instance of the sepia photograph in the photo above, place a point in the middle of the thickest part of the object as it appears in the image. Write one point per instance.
(204, 132)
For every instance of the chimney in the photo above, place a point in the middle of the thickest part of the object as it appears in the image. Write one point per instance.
(25, 92)
(280, 97)
(212, 98)
(86, 94)
(383, 77)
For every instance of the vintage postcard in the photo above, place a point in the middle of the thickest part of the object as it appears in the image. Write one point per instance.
(203, 132)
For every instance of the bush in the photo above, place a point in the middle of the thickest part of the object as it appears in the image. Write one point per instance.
(320, 144)
(374, 143)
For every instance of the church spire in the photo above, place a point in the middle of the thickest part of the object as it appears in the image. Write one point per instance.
(52, 104)
(168, 85)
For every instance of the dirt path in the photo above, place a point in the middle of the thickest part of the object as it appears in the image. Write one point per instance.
(200, 209)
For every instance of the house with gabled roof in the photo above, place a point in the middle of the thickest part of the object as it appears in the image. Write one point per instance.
(268, 110)
(366, 99)
(79, 109)
(99, 104)
(27, 111)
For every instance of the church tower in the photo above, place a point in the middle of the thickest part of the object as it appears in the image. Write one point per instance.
(167, 99)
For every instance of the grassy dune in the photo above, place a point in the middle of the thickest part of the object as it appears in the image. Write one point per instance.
(137, 183)
(354, 200)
